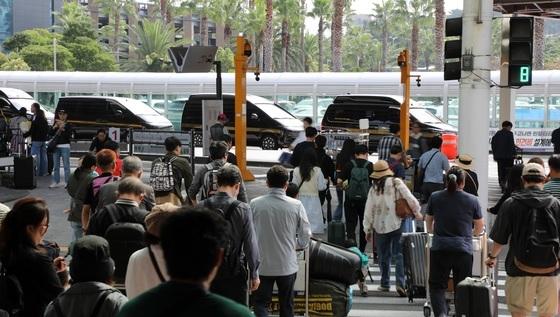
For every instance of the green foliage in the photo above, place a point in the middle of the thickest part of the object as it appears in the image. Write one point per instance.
(362, 51)
(40, 57)
(22, 39)
(90, 56)
(3, 58)
(14, 63)
(74, 22)
(225, 55)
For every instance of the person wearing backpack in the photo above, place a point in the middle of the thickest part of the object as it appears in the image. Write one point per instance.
(242, 248)
(356, 176)
(32, 279)
(529, 220)
(125, 209)
(205, 179)
(106, 160)
(169, 173)
(91, 293)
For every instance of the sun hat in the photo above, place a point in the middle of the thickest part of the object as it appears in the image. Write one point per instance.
(157, 216)
(381, 169)
(464, 161)
(91, 260)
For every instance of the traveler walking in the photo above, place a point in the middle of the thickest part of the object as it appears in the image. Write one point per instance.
(327, 167)
(344, 157)
(77, 189)
(243, 250)
(218, 130)
(146, 267)
(169, 173)
(513, 183)
(356, 175)
(307, 122)
(388, 141)
(17, 126)
(528, 222)
(193, 241)
(282, 227)
(464, 161)
(309, 177)
(380, 218)
(417, 143)
(39, 134)
(309, 143)
(433, 165)
(451, 215)
(61, 133)
(553, 185)
(91, 293)
(41, 278)
(503, 150)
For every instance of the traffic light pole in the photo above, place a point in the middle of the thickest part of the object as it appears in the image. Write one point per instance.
(474, 97)
(404, 63)
(242, 53)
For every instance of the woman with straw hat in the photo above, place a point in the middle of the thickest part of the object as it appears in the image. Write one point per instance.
(380, 218)
(465, 162)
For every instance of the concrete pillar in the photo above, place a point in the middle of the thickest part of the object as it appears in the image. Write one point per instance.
(475, 92)
(188, 29)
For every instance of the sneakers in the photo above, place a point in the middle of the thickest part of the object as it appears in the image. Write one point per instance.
(56, 185)
(401, 291)
(53, 185)
(383, 289)
(363, 288)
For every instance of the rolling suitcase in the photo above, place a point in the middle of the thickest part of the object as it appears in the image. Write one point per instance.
(414, 252)
(477, 297)
(25, 172)
(336, 232)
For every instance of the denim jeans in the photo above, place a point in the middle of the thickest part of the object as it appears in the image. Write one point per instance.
(406, 225)
(77, 230)
(389, 247)
(63, 153)
(263, 295)
(337, 216)
(39, 149)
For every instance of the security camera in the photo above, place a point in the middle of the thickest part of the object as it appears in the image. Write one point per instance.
(257, 76)
(418, 82)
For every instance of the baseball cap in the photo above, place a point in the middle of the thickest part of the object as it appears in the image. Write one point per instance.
(222, 117)
(533, 169)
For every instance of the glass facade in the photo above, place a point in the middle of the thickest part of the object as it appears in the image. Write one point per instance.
(6, 19)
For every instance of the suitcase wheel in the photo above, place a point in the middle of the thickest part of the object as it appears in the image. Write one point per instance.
(427, 311)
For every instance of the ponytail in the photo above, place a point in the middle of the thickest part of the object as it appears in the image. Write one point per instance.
(454, 177)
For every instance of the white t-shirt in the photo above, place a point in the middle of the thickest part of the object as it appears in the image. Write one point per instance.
(141, 274)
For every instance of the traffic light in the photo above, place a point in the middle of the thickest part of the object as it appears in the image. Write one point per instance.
(520, 51)
(452, 49)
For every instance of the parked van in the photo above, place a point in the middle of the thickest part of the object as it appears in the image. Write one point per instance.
(382, 111)
(268, 125)
(11, 100)
(89, 113)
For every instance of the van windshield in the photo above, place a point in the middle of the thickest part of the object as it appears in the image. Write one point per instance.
(274, 111)
(424, 115)
(139, 108)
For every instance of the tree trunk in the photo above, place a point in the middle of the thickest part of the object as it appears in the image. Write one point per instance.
(267, 39)
(204, 30)
(163, 8)
(117, 18)
(337, 35)
(427, 59)
(227, 35)
(414, 45)
(283, 62)
(320, 38)
(439, 34)
(302, 34)
(538, 51)
(384, 48)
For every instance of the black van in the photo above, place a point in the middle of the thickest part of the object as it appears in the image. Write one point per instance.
(382, 111)
(89, 113)
(268, 125)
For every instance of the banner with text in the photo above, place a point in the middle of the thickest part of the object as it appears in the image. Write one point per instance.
(530, 139)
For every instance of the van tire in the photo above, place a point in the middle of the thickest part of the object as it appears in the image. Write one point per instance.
(197, 139)
(269, 142)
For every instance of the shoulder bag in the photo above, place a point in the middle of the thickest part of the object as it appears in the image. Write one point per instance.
(402, 209)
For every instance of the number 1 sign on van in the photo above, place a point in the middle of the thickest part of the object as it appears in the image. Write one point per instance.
(115, 134)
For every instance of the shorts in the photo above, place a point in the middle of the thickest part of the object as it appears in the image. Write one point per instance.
(169, 198)
(522, 290)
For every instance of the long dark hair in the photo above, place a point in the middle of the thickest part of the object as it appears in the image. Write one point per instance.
(28, 211)
(454, 177)
(514, 181)
(379, 184)
(88, 160)
(308, 162)
(346, 153)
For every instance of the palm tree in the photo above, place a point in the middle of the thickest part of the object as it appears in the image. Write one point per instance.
(225, 12)
(286, 11)
(418, 12)
(336, 38)
(439, 33)
(322, 10)
(203, 9)
(253, 22)
(538, 59)
(155, 39)
(268, 37)
(311, 52)
(113, 9)
(385, 15)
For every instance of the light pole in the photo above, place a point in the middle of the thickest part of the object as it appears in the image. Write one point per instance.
(54, 53)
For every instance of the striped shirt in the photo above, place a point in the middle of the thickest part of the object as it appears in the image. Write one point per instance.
(553, 187)
(385, 144)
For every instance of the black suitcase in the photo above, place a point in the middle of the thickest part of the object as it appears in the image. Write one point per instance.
(331, 262)
(25, 172)
(336, 232)
(414, 253)
(476, 297)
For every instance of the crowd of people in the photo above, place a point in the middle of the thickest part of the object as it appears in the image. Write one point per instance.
(206, 247)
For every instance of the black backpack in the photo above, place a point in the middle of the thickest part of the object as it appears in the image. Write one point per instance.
(231, 265)
(540, 246)
(11, 293)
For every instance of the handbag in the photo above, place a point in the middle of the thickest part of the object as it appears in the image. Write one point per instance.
(402, 209)
(51, 145)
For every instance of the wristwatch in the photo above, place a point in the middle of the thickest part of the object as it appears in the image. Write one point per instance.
(490, 256)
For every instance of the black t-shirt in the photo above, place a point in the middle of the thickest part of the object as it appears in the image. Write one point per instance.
(299, 151)
(453, 213)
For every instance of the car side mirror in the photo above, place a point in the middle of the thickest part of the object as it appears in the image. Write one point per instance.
(119, 113)
(254, 116)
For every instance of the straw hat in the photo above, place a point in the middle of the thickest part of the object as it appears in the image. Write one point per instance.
(381, 169)
(464, 161)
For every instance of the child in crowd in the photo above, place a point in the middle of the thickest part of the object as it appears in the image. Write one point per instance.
(351, 245)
